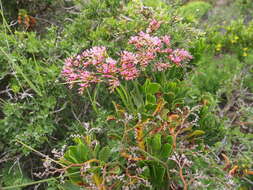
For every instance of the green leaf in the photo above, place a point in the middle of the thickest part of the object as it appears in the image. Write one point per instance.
(96, 150)
(164, 113)
(149, 144)
(195, 134)
(166, 151)
(122, 96)
(144, 87)
(160, 172)
(82, 152)
(156, 143)
(70, 156)
(194, 10)
(169, 97)
(75, 179)
(137, 100)
(150, 107)
(153, 88)
(146, 172)
(77, 154)
(170, 139)
(157, 174)
(150, 99)
(15, 88)
(104, 154)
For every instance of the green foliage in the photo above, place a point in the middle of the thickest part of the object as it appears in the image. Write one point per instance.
(232, 38)
(156, 147)
(213, 74)
(199, 114)
(13, 175)
(32, 123)
(248, 78)
(195, 10)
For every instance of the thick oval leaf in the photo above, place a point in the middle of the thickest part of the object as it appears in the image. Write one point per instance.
(153, 88)
(170, 140)
(156, 143)
(104, 154)
(77, 154)
(82, 152)
(70, 155)
(150, 107)
(166, 151)
(150, 99)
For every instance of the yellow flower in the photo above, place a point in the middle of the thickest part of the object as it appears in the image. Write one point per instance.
(244, 54)
(245, 49)
(235, 39)
(218, 47)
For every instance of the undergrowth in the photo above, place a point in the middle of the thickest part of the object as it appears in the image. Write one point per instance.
(178, 115)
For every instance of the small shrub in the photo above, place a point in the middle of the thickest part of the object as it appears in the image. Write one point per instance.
(195, 10)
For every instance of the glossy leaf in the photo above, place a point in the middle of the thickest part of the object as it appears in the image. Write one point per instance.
(104, 154)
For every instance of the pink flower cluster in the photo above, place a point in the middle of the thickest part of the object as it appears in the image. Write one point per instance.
(94, 65)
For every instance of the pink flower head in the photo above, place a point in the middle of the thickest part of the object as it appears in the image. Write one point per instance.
(94, 66)
(144, 40)
(166, 40)
(128, 57)
(128, 63)
(129, 72)
(68, 62)
(162, 66)
(97, 55)
(150, 41)
(113, 83)
(153, 26)
(109, 67)
(145, 58)
(179, 55)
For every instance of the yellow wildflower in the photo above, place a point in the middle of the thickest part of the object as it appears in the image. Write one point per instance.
(235, 39)
(218, 47)
(244, 54)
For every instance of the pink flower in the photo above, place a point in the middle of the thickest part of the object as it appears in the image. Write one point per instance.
(128, 64)
(162, 66)
(113, 83)
(94, 66)
(166, 40)
(93, 56)
(145, 58)
(153, 26)
(128, 57)
(166, 50)
(68, 62)
(110, 66)
(179, 55)
(97, 54)
(144, 40)
(129, 72)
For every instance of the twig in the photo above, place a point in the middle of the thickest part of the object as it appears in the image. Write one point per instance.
(182, 177)
(249, 181)
(39, 153)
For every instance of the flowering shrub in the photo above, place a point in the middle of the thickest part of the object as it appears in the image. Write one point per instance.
(172, 127)
(142, 156)
(150, 53)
